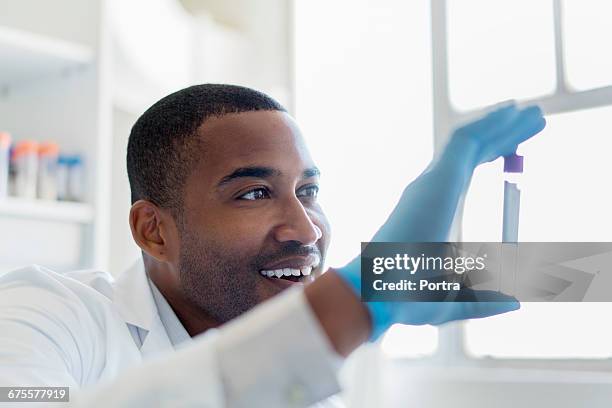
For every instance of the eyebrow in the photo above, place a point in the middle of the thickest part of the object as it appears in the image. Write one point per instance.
(262, 172)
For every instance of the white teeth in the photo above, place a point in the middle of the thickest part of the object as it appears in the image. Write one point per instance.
(305, 271)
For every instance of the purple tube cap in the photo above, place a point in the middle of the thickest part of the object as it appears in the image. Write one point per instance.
(513, 163)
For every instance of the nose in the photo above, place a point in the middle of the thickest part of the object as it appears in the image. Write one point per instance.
(297, 225)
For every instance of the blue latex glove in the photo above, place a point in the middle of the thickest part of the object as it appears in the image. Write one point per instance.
(427, 207)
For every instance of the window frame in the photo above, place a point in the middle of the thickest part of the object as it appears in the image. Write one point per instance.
(451, 345)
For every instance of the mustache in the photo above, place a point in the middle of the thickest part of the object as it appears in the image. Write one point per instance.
(287, 250)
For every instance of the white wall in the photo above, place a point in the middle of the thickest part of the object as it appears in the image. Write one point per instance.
(59, 44)
(124, 250)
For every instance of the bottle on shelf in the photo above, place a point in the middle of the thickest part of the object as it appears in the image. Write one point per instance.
(76, 179)
(24, 163)
(5, 144)
(48, 153)
(70, 174)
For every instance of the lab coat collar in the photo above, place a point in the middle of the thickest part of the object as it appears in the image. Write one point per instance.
(135, 303)
(133, 298)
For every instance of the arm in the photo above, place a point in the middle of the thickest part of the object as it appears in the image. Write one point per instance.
(276, 355)
(427, 207)
(280, 353)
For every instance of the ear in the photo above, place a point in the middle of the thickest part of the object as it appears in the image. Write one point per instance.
(153, 230)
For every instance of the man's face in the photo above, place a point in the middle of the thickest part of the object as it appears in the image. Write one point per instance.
(250, 211)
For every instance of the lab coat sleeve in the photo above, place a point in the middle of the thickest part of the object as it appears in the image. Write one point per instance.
(278, 356)
(46, 335)
(274, 356)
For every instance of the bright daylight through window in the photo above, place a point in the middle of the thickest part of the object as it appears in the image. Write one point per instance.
(363, 100)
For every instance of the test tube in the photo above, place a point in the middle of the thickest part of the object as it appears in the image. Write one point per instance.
(513, 168)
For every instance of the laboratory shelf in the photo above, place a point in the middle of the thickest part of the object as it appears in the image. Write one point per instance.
(26, 56)
(59, 211)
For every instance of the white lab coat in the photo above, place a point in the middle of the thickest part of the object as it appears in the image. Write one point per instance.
(74, 330)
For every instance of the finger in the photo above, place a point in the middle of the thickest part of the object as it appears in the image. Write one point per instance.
(529, 123)
(475, 304)
(502, 104)
(498, 118)
(522, 116)
(478, 310)
(491, 296)
(505, 140)
(488, 303)
(502, 108)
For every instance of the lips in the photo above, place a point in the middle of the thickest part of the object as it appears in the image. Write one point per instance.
(297, 262)
(292, 270)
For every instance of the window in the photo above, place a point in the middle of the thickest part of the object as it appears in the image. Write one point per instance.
(564, 198)
(564, 195)
(364, 104)
(498, 50)
(544, 330)
(564, 189)
(363, 101)
(402, 341)
(587, 32)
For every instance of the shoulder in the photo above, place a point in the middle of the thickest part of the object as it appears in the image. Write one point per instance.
(38, 290)
(54, 319)
(35, 280)
(78, 302)
(80, 299)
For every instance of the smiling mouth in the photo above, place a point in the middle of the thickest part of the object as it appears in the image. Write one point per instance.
(296, 269)
(303, 274)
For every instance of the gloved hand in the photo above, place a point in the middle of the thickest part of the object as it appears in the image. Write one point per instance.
(427, 207)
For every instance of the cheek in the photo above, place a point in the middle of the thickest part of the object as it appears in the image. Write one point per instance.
(246, 232)
(219, 250)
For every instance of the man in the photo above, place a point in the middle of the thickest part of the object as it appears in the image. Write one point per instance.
(224, 209)
(215, 214)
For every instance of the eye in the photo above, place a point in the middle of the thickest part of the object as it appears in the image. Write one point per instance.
(255, 194)
(309, 191)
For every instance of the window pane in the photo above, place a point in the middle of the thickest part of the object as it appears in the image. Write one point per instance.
(499, 50)
(566, 196)
(410, 341)
(544, 330)
(587, 33)
(363, 101)
(565, 190)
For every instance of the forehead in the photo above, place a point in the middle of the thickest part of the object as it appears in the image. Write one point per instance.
(266, 138)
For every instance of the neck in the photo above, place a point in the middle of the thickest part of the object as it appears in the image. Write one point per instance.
(194, 319)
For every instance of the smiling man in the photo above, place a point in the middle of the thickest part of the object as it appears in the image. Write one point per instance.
(224, 195)
(224, 208)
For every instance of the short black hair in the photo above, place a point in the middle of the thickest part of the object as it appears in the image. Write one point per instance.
(164, 146)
